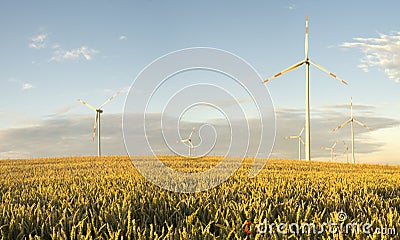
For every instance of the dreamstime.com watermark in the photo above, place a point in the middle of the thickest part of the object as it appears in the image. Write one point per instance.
(339, 227)
(157, 117)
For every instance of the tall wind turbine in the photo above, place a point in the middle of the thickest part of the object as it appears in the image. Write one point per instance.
(332, 149)
(188, 142)
(352, 121)
(98, 111)
(299, 139)
(306, 61)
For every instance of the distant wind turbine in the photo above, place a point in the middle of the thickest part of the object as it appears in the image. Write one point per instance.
(96, 127)
(346, 151)
(352, 120)
(300, 140)
(307, 61)
(188, 142)
(332, 149)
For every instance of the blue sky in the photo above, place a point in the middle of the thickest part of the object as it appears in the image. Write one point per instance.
(55, 52)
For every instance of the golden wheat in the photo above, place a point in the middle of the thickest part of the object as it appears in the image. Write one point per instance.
(106, 198)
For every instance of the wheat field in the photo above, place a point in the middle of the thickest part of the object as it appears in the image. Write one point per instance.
(106, 198)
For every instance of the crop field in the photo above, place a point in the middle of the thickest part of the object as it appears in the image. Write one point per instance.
(106, 198)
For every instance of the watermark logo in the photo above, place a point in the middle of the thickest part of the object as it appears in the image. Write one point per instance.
(247, 227)
(341, 226)
(341, 216)
(168, 109)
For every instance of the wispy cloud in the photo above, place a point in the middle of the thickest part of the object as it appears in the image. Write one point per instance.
(364, 107)
(21, 84)
(123, 90)
(123, 37)
(69, 134)
(290, 122)
(382, 52)
(14, 155)
(291, 6)
(59, 53)
(38, 41)
(62, 111)
(77, 53)
(56, 46)
(26, 86)
(64, 135)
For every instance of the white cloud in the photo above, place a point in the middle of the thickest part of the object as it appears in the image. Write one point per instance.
(38, 42)
(59, 54)
(56, 46)
(84, 51)
(70, 134)
(123, 37)
(119, 91)
(14, 155)
(382, 52)
(21, 84)
(26, 86)
(63, 110)
(292, 7)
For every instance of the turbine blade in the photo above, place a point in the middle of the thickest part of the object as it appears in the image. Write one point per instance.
(184, 140)
(306, 40)
(294, 66)
(108, 100)
(87, 104)
(302, 141)
(330, 73)
(96, 120)
(292, 137)
(191, 145)
(351, 107)
(334, 145)
(362, 124)
(191, 133)
(302, 130)
(344, 124)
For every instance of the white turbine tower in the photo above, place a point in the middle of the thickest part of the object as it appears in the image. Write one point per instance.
(188, 142)
(346, 151)
(352, 121)
(96, 127)
(331, 149)
(300, 140)
(306, 61)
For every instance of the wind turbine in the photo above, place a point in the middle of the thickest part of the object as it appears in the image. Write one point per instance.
(98, 111)
(332, 149)
(188, 142)
(306, 61)
(346, 151)
(300, 140)
(352, 121)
